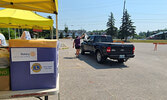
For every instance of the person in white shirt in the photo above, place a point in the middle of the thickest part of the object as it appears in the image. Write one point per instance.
(4, 54)
(2, 40)
(26, 35)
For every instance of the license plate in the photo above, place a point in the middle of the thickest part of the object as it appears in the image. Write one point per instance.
(121, 56)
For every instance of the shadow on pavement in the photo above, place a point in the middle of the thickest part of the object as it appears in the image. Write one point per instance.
(70, 58)
(91, 60)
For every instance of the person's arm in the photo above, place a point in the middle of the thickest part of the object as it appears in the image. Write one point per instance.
(82, 36)
(73, 43)
(0, 43)
(23, 36)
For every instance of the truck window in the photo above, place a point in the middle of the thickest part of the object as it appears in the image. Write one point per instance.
(97, 39)
(106, 39)
(103, 39)
(90, 38)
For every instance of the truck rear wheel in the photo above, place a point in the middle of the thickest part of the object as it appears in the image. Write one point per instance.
(100, 58)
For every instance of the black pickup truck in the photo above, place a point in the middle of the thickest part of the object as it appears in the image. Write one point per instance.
(103, 47)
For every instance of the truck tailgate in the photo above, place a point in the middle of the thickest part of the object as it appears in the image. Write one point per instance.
(120, 49)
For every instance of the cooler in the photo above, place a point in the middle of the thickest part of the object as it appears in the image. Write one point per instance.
(34, 64)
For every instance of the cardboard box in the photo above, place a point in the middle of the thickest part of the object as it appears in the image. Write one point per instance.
(4, 57)
(4, 79)
(34, 64)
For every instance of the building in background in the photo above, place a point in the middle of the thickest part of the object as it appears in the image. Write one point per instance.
(159, 36)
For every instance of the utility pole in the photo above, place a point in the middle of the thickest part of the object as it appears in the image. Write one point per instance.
(124, 6)
(123, 21)
(124, 10)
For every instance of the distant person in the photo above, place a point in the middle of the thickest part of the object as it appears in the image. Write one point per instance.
(2, 40)
(77, 44)
(26, 35)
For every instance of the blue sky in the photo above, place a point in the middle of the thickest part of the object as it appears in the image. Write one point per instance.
(93, 14)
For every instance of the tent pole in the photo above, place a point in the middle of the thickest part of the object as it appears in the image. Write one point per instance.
(19, 32)
(15, 33)
(52, 32)
(9, 32)
(57, 27)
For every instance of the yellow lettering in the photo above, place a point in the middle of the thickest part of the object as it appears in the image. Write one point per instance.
(3, 72)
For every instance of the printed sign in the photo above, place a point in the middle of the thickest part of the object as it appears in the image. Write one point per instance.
(42, 67)
(4, 71)
(24, 54)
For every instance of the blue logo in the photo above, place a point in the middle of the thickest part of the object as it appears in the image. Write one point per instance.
(36, 67)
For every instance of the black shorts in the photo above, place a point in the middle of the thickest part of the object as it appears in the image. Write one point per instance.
(77, 47)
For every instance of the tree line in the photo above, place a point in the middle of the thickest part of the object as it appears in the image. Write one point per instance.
(147, 34)
(127, 29)
(18, 32)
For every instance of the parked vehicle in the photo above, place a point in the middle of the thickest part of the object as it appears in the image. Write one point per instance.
(103, 47)
(54, 37)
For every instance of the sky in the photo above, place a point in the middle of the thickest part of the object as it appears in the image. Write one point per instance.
(93, 14)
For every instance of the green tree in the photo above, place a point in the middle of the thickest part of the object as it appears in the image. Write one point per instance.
(98, 32)
(5, 32)
(127, 28)
(66, 30)
(45, 34)
(73, 35)
(61, 35)
(136, 36)
(142, 34)
(148, 33)
(111, 30)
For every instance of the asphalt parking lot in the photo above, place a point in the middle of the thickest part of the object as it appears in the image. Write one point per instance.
(141, 78)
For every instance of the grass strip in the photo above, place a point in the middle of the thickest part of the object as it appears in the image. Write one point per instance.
(148, 41)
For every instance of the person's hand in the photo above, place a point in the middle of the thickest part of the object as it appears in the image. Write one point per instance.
(0, 42)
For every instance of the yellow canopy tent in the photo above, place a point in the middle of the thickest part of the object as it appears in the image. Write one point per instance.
(47, 6)
(15, 18)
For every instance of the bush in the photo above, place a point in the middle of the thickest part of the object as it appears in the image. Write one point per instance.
(5, 32)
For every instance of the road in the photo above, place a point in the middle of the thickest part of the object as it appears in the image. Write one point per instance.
(141, 78)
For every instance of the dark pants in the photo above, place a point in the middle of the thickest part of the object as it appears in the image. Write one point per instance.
(77, 47)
